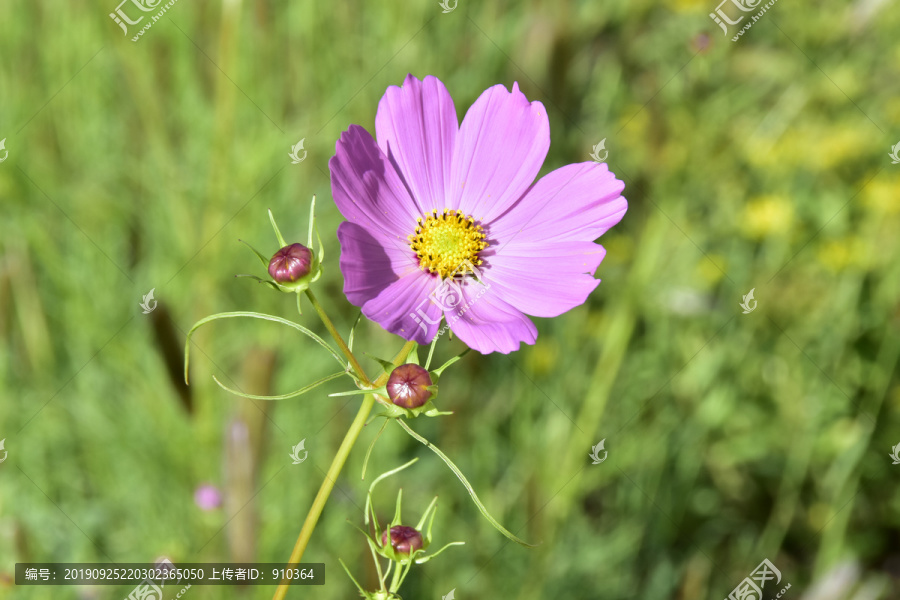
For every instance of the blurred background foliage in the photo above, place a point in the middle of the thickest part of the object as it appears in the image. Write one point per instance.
(732, 437)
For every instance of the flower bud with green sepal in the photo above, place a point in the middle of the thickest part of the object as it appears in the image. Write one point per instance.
(294, 267)
(409, 386)
(404, 546)
(290, 264)
(410, 389)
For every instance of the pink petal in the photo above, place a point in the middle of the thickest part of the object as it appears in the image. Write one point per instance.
(370, 263)
(367, 189)
(484, 322)
(578, 202)
(404, 307)
(501, 146)
(416, 127)
(547, 279)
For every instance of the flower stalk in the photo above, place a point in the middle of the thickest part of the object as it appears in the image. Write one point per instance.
(337, 464)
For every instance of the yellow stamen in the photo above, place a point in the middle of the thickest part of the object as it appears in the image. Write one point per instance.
(447, 243)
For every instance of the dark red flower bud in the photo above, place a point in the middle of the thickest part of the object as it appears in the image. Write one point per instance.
(408, 386)
(290, 263)
(405, 540)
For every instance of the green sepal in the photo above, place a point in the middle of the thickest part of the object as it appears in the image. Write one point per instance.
(386, 365)
(278, 236)
(262, 259)
(425, 559)
(316, 257)
(397, 520)
(320, 254)
(380, 390)
(413, 356)
(437, 372)
(302, 284)
(392, 411)
(400, 563)
(268, 282)
(430, 511)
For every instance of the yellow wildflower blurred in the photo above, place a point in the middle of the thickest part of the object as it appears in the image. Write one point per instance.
(767, 215)
(814, 147)
(882, 196)
(838, 254)
(711, 268)
(691, 5)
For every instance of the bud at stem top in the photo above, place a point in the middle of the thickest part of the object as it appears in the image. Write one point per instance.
(408, 386)
(405, 540)
(290, 263)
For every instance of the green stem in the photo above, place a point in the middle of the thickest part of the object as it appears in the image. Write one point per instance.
(327, 486)
(339, 459)
(354, 364)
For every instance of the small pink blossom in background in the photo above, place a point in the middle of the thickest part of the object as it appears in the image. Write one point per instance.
(208, 497)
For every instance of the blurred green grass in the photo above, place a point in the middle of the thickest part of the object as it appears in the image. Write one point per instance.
(732, 438)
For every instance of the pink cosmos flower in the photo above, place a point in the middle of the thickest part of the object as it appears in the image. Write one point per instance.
(446, 219)
(208, 497)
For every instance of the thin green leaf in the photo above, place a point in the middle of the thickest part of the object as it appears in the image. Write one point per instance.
(389, 473)
(386, 365)
(312, 221)
(262, 259)
(353, 331)
(277, 231)
(299, 392)
(440, 369)
(398, 514)
(321, 253)
(356, 583)
(431, 352)
(431, 509)
(467, 485)
(259, 280)
(428, 557)
(253, 315)
(356, 392)
(371, 446)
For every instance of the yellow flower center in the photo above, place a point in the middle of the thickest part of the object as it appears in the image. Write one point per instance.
(447, 243)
